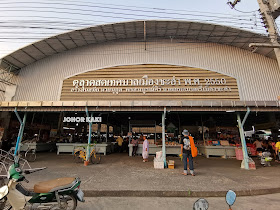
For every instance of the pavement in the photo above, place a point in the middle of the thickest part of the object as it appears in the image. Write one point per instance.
(119, 175)
(267, 202)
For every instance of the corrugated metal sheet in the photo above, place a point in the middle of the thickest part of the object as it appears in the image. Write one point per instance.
(257, 76)
(6, 80)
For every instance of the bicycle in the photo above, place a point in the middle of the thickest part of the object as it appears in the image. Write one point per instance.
(80, 154)
(29, 154)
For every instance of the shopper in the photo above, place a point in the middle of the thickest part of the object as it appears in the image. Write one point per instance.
(271, 148)
(120, 142)
(258, 145)
(189, 151)
(135, 146)
(277, 150)
(145, 152)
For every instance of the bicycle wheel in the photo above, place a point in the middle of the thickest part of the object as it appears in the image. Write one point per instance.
(95, 158)
(76, 157)
(30, 156)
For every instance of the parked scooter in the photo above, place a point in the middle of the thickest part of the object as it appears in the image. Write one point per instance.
(202, 204)
(265, 158)
(61, 193)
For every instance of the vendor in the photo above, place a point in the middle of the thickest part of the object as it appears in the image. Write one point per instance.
(258, 145)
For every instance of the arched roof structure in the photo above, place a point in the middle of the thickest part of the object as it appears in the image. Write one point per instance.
(196, 31)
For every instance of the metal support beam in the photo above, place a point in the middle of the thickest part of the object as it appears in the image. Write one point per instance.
(242, 136)
(20, 133)
(163, 137)
(89, 135)
(145, 35)
(267, 45)
(246, 116)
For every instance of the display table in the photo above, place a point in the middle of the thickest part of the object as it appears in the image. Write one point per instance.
(40, 147)
(153, 148)
(69, 147)
(224, 151)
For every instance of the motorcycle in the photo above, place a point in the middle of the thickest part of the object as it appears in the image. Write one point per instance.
(265, 158)
(62, 193)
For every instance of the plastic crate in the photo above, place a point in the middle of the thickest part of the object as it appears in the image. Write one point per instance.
(239, 153)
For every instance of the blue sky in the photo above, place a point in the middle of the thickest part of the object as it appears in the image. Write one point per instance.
(25, 21)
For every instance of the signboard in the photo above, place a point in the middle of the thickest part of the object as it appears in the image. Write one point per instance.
(149, 82)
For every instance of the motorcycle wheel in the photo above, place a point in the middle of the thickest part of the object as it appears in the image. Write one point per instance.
(68, 202)
(95, 159)
(30, 156)
(5, 205)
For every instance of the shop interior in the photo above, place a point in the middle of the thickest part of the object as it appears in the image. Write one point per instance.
(207, 128)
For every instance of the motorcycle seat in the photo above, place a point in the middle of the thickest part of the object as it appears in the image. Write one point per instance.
(54, 185)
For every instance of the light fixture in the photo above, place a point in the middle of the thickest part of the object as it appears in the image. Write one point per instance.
(229, 111)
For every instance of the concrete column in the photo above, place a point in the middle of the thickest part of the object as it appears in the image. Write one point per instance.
(163, 137)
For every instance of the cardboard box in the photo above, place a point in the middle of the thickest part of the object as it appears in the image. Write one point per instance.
(171, 166)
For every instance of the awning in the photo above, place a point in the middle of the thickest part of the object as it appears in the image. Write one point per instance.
(152, 105)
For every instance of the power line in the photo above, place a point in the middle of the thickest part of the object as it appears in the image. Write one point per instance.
(244, 11)
(118, 7)
(86, 30)
(104, 14)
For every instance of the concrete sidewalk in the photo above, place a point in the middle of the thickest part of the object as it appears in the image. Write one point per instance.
(267, 202)
(121, 175)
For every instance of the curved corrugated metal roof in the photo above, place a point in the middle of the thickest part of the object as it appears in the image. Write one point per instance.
(197, 31)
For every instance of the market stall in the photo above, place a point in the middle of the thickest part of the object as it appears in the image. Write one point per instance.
(38, 146)
(153, 148)
(223, 151)
(69, 147)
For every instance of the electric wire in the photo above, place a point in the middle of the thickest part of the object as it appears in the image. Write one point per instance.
(237, 21)
(104, 15)
(119, 7)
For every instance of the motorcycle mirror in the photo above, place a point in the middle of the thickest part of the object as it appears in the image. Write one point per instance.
(4, 191)
(201, 204)
(230, 197)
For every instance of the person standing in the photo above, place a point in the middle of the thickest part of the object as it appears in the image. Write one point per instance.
(277, 149)
(145, 152)
(135, 146)
(189, 151)
(120, 142)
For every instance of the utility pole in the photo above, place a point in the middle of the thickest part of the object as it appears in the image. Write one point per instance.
(269, 10)
(268, 20)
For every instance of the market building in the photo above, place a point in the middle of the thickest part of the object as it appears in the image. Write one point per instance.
(149, 77)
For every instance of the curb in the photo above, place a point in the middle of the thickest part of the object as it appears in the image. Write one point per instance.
(149, 193)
